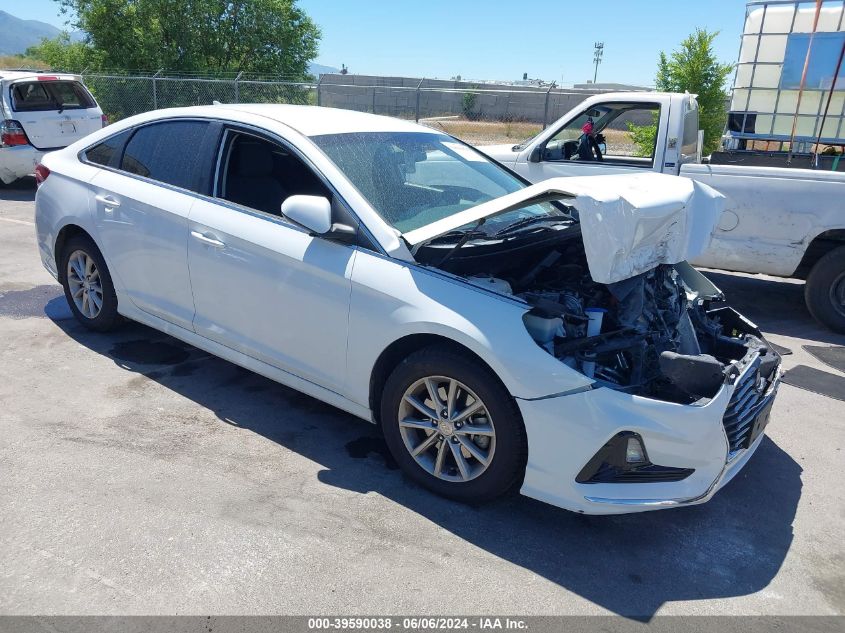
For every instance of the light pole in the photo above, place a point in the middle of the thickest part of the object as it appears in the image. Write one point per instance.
(598, 49)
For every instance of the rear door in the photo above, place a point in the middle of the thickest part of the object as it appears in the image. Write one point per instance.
(54, 111)
(141, 200)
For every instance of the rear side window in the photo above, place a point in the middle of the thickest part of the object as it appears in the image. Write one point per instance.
(167, 152)
(104, 153)
(39, 96)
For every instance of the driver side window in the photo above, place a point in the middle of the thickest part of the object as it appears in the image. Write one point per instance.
(616, 133)
(259, 174)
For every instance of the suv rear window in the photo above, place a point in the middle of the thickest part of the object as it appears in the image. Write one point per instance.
(166, 152)
(39, 96)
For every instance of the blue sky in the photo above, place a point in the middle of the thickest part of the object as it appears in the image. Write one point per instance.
(494, 39)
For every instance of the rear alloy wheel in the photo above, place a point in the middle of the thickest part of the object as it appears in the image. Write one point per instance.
(88, 286)
(452, 426)
(824, 291)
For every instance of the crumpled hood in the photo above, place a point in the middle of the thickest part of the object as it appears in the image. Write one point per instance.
(629, 223)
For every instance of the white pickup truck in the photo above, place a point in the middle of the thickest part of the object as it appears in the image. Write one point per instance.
(783, 221)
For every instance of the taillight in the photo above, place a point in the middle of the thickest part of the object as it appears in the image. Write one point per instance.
(105, 119)
(41, 173)
(11, 133)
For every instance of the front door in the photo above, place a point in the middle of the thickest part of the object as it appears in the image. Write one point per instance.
(261, 285)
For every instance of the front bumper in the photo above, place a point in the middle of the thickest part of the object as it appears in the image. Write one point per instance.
(565, 432)
(18, 161)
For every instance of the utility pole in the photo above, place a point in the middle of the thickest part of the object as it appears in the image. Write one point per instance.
(598, 49)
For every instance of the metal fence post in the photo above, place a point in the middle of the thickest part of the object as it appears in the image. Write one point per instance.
(237, 87)
(155, 92)
(546, 106)
(374, 99)
(417, 117)
(319, 99)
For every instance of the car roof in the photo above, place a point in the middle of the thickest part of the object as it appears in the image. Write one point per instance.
(14, 75)
(316, 120)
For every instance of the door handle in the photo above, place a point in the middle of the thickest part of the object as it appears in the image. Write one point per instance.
(207, 240)
(109, 202)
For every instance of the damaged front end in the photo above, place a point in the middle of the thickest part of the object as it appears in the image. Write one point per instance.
(655, 334)
(609, 293)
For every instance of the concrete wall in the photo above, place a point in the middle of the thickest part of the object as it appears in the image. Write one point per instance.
(397, 96)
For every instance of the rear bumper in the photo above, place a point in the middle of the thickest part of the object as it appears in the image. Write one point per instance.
(565, 432)
(18, 161)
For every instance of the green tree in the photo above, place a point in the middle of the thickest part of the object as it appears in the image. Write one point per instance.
(62, 54)
(262, 36)
(643, 137)
(693, 68)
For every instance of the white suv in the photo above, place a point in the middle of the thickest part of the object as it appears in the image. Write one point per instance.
(41, 112)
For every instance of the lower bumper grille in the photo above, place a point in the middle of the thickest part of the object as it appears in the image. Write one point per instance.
(749, 398)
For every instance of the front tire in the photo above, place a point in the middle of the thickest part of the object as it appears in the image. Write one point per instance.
(824, 292)
(452, 426)
(87, 284)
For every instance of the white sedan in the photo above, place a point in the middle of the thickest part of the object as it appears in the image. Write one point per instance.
(550, 337)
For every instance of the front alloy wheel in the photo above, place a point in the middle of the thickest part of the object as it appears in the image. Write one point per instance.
(452, 426)
(447, 429)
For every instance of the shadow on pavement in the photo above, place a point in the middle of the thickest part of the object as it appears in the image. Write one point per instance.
(631, 565)
(22, 190)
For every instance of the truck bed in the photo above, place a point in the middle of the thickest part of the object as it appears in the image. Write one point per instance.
(771, 215)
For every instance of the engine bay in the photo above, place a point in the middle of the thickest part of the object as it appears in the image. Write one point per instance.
(652, 334)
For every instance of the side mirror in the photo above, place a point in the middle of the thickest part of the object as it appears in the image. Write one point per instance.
(312, 212)
(536, 155)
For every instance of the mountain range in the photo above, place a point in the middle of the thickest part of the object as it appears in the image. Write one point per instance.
(17, 35)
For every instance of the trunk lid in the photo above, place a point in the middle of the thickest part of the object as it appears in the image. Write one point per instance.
(629, 223)
(54, 110)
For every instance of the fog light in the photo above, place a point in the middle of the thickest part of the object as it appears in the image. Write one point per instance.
(634, 452)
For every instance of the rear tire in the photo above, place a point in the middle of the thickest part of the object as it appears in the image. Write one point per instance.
(470, 459)
(824, 292)
(87, 284)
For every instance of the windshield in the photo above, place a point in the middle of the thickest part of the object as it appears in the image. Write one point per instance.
(415, 178)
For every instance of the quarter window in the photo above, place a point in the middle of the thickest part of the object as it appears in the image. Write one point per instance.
(104, 153)
(167, 152)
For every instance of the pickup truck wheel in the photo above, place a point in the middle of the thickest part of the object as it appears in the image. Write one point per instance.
(87, 284)
(824, 292)
(452, 427)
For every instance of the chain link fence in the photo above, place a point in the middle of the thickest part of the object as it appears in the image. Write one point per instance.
(121, 96)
